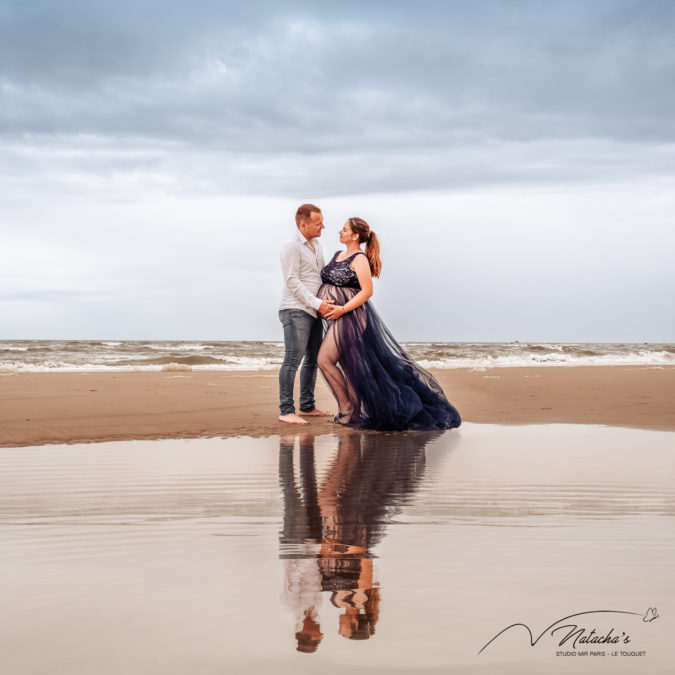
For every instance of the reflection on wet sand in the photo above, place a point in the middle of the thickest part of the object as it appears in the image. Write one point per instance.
(330, 528)
(143, 557)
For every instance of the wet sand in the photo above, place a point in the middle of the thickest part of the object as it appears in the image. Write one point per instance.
(202, 555)
(37, 408)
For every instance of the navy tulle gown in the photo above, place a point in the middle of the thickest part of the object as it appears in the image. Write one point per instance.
(387, 389)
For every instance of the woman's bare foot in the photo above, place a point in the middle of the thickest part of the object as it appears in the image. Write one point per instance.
(344, 418)
(315, 413)
(292, 418)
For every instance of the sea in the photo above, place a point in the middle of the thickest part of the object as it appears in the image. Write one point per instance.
(141, 355)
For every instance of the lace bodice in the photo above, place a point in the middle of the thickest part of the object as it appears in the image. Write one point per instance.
(339, 273)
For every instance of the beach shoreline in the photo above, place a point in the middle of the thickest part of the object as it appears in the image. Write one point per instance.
(77, 407)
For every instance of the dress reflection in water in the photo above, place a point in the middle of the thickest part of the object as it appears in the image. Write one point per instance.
(364, 365)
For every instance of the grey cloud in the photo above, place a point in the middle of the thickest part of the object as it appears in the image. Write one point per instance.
(395, 92)
(134, 169)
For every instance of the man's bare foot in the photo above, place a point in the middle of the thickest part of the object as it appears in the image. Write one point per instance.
(292, 418)
(315, 413)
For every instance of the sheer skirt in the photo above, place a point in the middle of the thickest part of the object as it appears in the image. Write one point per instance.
(376, 384)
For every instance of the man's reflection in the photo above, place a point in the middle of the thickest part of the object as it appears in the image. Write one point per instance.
(329, 530)
(299, 541)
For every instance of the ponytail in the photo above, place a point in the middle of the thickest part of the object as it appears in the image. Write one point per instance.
(361, 227)
(373, 254)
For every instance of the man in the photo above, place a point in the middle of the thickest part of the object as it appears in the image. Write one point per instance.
(301, 264)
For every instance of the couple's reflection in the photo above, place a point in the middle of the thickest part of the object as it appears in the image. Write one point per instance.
(331, 525)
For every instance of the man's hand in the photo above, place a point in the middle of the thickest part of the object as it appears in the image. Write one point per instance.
(325, 308)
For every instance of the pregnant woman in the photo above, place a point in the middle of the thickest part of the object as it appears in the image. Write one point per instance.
(376, 384)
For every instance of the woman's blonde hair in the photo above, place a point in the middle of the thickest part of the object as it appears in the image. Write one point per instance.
(361, 227)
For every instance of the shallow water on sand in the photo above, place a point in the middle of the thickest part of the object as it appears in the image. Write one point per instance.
(375, 552)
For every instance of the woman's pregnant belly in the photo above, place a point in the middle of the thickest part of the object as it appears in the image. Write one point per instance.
(337, 295)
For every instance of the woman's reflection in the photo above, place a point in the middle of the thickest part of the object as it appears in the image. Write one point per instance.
(329, 531)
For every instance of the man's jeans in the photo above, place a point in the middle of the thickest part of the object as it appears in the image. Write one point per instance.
(302, 337)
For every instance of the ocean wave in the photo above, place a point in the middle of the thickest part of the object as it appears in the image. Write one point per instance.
(97, 367)
(192, 360)
(41, 356)
(662, 358)
(171, 367)
(173, 347)
(260, 361)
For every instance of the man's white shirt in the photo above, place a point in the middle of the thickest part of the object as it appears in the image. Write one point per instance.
(301, 270)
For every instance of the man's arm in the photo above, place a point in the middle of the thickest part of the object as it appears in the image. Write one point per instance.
(290, 270)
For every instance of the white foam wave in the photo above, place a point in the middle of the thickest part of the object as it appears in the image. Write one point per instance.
(86, 357)
(173, 347)
(170, 367)
(238, 363)
(642, 358)
(253, 363)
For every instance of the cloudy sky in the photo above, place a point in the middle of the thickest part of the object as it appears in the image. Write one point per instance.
(517, 160)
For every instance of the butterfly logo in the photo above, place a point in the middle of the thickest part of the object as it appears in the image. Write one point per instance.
(650, 615)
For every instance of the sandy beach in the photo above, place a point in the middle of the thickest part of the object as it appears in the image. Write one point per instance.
(39, 408)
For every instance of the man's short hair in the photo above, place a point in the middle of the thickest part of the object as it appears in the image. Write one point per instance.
(304, 212)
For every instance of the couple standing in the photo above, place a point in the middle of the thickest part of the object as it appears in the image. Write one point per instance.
(375, 383)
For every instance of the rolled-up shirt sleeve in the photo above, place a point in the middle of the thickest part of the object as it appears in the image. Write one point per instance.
(290, 271)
